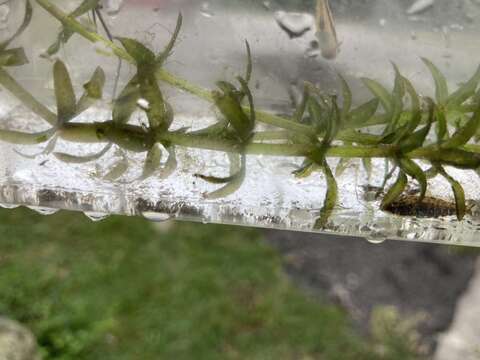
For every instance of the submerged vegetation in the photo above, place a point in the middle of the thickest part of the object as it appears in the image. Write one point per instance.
(415, 129)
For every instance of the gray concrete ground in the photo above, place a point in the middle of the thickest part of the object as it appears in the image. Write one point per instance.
(418, 279)
(462, 340)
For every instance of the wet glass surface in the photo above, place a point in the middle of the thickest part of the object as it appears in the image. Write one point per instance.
(93, 118)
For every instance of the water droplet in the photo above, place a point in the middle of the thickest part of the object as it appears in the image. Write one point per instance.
(143, 104)
(376, 240)
(312, 52)
(43, 210)
(294, 24)
(156, 216)
(205, 10)
(112, 7)
(9, 206)
(95, 216)
(4, 14)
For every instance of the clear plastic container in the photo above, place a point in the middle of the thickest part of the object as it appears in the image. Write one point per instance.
(365, 113)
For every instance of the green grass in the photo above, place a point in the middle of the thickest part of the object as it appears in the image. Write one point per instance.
(119, 289)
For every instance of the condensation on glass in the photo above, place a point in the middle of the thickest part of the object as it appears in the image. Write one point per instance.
(192, 148)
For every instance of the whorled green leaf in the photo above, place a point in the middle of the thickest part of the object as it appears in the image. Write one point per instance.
(150, 91)
(47, 150)
(333, 122)
(414, 98)
(13, 57)
(318, 115)
(464, 92)
(233, 182)
(26, 21)
(464, 133)
(84, 7)
(307, 168)
(54, 48)
(417, 139)
(160, 59)
(148, 85)
(93, 90)
(300, 110)
(139, 52)
(395, 191)
(64, 94)
(342, 165)
(22, 138)
(74, 159)
(431, 173)
(118, 170)
(388, 173)
(230, 107)
(379, 91)
(441, 87)
(126, 103)
(152, 161)
(360, 115)
(441, 122)
(331, 198)
(248, 93)
(476, 98)
(228, 88)
(66, 33)
(412, 169)
(397, 98)
(458, 192)
(367, 166)
(234, 168)
(346, 96)
(171, 164)
(404, 132)
(458, 158)
(248, 73)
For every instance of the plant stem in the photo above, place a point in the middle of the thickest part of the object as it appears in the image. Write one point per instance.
(26, 98)
(162, 74)
(88, 133)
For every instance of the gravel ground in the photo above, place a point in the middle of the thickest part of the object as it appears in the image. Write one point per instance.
(417, 278)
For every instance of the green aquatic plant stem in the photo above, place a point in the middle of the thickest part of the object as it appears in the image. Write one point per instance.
(139, 140)
(162, 74)
(202, 93)
(74, 25)
(9, 83)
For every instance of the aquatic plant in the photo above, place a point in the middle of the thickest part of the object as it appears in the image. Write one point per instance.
(415, 130)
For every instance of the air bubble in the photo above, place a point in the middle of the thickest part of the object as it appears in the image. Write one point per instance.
(294, 24)
(112, 7)
(376, 241)
(43, 210)
(9, 206)
(156, 216)
(96, 216)
(205, 10)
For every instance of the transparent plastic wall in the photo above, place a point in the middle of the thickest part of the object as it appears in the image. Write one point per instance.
(351, 117)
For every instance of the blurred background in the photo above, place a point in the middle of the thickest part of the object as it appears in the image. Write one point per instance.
(125, 288)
